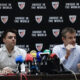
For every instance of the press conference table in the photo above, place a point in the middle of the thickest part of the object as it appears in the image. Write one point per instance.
(42, 77)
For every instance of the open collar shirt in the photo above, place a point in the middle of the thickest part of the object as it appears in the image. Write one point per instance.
(8, 59)
(73, 59)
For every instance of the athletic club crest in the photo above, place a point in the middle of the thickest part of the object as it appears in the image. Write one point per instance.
(39, 46)
(72, 18)
(4, 19)
(38, 19)
(56, 32)
(21, 5)
(21, 32)
(55, 5)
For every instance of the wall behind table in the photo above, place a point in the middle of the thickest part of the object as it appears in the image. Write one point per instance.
(39, 22)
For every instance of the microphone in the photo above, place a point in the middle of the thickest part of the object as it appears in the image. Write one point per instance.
(38, 56)
(53, 55)
(54, 63)
(33, 53)
(44, 60)
(29, 60)
(38, 61)
(29, 57)
(19, 60)
(44, 56)
(9, 55)
(34, 67)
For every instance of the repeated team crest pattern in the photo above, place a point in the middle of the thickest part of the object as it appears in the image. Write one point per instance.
(4, 19)
(39, 46)
(21, 32)
(38, 19)
(55, 5)
(21, 5)
(72, 18)
(56, 32)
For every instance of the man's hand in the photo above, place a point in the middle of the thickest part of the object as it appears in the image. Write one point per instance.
(6, 70)
(78, 65)
(68, 49)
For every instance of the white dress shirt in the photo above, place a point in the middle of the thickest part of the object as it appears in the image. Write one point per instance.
(8, 59)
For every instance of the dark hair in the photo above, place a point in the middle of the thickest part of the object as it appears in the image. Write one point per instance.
(8, 30)
(67, 29)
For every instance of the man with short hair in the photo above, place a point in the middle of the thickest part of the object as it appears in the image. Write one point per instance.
(9, 52)
(69, 51)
